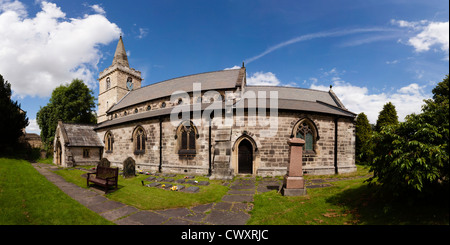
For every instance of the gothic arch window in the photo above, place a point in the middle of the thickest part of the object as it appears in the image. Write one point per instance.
(109, 142)
(187, 135)
(139, 138)
(305, 129)
(108, 83)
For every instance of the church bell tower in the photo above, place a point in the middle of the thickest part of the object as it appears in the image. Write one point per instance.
(116, 81)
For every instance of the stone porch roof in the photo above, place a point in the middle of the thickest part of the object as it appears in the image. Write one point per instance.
(81, 135)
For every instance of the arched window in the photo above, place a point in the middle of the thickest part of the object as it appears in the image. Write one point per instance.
(109, 142)
(306, 130)
(108, 83)
(187, 134)
(139, 138)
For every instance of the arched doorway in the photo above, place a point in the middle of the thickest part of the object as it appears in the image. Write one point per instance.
(58, 153)
(245, 157)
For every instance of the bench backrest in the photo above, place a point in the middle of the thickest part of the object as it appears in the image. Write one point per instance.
(105, 172)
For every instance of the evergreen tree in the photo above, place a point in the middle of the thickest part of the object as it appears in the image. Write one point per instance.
(363, 139)
(387, 116)
(12, 120)
(72, 103)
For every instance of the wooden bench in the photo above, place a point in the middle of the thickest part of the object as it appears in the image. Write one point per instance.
(104, 177)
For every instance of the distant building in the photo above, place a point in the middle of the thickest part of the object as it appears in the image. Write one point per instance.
(135, 121)
(34, 140)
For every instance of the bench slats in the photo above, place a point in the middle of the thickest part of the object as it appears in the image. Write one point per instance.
(104, 177)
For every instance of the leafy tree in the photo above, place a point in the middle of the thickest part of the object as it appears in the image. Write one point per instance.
(72, 103)
(363, 139)
(387, 116)
(413, 156)
(12, 120)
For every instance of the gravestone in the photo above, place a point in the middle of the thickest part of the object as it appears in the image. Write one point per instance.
(203, 183)
(104, 163)
(153, 184)
(192, 189)
(294, 184)
(151, 178)
(129, 168)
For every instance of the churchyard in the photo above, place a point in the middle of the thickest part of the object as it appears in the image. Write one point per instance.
(331, 200)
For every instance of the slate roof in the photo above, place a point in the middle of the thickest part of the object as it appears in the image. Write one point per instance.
(80, 135)
(224, 79)
(289, 98)
(294, 99)
(299, 99)
(300, 94)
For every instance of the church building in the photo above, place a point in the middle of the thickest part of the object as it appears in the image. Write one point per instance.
(211, 123)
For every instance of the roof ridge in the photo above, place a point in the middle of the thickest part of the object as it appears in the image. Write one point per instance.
(186, 76)
(276, 86)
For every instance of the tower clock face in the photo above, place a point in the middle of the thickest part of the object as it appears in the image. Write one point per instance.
(130, 83)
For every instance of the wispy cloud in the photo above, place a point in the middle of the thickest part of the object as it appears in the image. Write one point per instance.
(335, 33)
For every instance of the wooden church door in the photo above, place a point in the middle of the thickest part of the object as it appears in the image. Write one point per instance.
(245, 157)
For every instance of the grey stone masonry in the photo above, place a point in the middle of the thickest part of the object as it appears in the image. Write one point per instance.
(222, 154)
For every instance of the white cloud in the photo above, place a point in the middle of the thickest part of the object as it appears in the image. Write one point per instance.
(98, 9)
(42, 52)
(33, 127)
(407, 100)
(263, 78)
(232, 68)
(430, 34)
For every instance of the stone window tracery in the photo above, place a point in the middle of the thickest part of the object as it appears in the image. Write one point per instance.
(109, 142)
(187, 134)
(139, 138)
(306, 131)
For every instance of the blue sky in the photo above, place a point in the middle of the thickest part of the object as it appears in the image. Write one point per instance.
(371, 52)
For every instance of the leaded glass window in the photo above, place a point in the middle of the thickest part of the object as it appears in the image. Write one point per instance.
(305, 132)
(139, 141)
(187, 134)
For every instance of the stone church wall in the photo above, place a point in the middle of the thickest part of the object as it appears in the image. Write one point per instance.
(271, 154)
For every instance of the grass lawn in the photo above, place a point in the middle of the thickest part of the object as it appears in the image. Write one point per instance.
(131, 192)
(346, 202)
(28, 198)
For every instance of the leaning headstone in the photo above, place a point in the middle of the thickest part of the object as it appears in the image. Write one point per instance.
(129, 168)
(104, 163)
